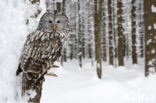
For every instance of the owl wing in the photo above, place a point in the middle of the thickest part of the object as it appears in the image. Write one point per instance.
(39, 52)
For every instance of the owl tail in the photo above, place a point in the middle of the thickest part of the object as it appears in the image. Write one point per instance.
(19, 70)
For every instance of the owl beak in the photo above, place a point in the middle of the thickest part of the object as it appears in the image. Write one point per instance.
(54, 27)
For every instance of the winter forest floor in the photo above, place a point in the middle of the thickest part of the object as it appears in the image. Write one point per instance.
(81, 85)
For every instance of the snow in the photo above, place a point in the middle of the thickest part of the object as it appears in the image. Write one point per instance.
(154, 26)
(149, 41)
(153, 51)
(149, 27)
(31, 94)
(13, 32)
(73, 84)
(74, 0)
(118, 85)
(153, 9)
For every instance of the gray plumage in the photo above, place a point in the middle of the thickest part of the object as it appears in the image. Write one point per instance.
(41, 49)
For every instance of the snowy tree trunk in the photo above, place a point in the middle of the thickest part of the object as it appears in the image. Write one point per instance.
(120, 33)
(110, 33)
(35, 15)
(134, 51)
(89, 33)
(83, 36)
(97, 31)
(50, 5)
(75, 29)
(104, 48)
(58, 6)
(63, 6)
(141, 28)
(79, 37)
(62, 9)
(114, 22)
(32, 89)
(34, 1)
(150, 36)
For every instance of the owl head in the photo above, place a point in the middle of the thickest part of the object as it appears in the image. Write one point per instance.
(53, 21)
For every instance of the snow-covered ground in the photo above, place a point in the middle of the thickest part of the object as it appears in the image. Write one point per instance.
(73, 84)
(81, 85)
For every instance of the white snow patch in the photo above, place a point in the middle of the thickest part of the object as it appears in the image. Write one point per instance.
(153, 9)
(151, 70)
(153, 51)
(149, 27)
(31, 93)
(149, 41)
(154, 26)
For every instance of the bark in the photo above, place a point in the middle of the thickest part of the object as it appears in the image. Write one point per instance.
(82, 36)
(134, 51)
(58, 6)
(110, 33)
(63, 6)
(63, 57)
(75, 29)
(34, 1)
(114, 22)
(141, 30)
(97, 32)
(150, 34)
(32, 89)
(79, 37)
(104, 56)
(90, 21)
(32, 85)
(35, 15)
(120, 34)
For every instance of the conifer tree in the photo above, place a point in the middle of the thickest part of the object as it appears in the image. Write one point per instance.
(120, 34)
(134, 51)
(97, 32)
(150, 36)
(110, 33)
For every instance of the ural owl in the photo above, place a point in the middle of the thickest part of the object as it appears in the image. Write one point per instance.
(41, 49)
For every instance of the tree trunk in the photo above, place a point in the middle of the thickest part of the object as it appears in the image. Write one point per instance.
(141, 28)
(75, 30)
(110, 32)
(120, 33)
(62, 8)
(134, 51)
(64, 58)
(32, 89)
(97, 31)
(150, 36)
(79, 37)
(104, 48)
(58, 6)
(34, 1)
(114, 22)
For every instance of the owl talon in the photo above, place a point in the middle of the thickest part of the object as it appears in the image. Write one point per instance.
(52, 74)
(54, 66)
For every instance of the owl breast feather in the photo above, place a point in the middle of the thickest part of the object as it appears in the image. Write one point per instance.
(41, 49)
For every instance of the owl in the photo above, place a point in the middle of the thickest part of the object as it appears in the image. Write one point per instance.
(41, 49)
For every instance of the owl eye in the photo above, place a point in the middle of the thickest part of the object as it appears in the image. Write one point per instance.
(50, 21)
(58, 21)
